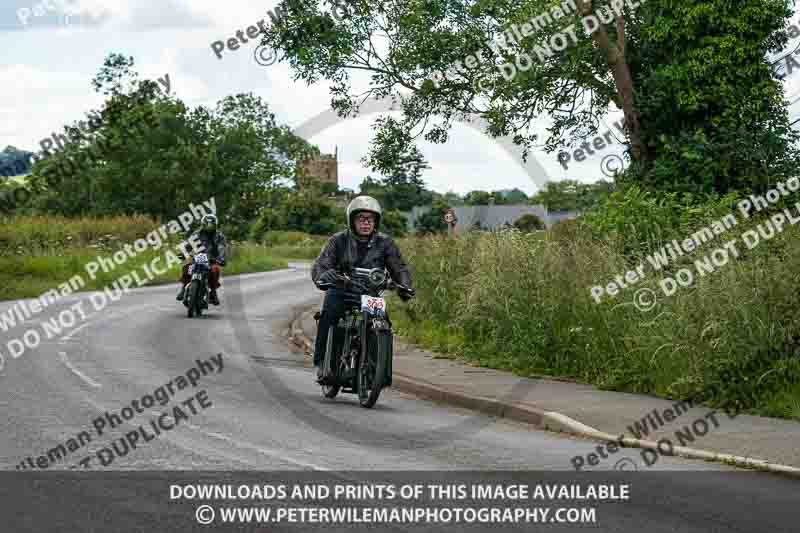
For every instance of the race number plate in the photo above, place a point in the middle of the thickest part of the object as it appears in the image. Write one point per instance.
(201, 259)
(373, 306)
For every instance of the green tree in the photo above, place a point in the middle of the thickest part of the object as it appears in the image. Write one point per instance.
(529, 222)
(452, 199)
(395, 193)
(150, 154)
(433, 220)
(375, 188)
(478, 198)
(558, 195)
(571, 195)
(402, 164)
(514, 197)
(394, 223)
(690, 77)
(307, 209)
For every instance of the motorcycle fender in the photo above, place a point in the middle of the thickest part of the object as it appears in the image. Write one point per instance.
(380, 324)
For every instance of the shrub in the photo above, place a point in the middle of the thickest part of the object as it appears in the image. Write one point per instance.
(394, 223)
(529, 222)
(432, 221)
(638, 220)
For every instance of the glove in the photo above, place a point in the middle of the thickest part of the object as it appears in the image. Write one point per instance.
(356, 286)
(329, 277)
(406, 295)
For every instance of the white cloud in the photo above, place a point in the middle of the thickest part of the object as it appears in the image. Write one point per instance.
(45, 83)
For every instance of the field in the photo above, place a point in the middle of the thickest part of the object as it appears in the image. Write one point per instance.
(41, 252)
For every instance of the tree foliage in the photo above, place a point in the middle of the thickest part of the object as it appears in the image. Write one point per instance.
(153, 155)
(394, 223)
(432, 221)
(402, 164)
(528, 223)
(691, 78)
(571, 195)
(478, 198)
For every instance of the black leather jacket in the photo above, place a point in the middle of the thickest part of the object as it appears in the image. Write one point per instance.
(215, 245)
(341, 253)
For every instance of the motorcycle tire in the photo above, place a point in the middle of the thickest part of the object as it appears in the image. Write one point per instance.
(372, 368)
(191, 296)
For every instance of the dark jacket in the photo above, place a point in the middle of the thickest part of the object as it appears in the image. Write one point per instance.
(215, 246)
(341, 253)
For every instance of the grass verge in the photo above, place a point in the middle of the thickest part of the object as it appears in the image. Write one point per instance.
(41, 253)
(522, 303)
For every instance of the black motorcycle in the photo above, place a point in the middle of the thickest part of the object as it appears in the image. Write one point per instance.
(358, 352)
(196, 297)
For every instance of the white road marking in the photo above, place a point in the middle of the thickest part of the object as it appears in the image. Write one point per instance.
(77, 372)
(73, 332)
(264, 451)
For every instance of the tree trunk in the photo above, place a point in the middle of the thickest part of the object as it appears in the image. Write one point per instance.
(615, 57)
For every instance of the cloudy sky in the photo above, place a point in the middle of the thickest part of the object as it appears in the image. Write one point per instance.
(49, 60)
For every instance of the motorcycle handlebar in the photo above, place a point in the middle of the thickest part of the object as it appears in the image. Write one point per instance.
(390, 284)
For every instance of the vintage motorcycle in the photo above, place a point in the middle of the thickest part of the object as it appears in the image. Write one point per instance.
(358, 352)
(196, 297)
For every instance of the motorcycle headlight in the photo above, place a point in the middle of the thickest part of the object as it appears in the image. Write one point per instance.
(377, 277)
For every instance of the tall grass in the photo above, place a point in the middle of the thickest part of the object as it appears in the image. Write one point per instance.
(47, 235)
(293, 244)
(39, 253)
(522, 302)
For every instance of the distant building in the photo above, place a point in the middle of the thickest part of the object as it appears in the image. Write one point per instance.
(491, 217)
(324, 167)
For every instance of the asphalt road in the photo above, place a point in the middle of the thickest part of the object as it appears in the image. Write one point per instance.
(263, 412)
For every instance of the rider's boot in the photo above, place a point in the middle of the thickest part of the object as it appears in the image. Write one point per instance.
(212, 297)
(181, 293)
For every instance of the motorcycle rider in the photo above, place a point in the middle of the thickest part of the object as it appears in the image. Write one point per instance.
(214, 244)
(360, 246)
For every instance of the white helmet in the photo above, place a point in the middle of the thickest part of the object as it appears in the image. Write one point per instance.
(364, 203)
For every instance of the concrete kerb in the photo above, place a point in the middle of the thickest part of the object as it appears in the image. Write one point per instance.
(577, 428)
(424, 389)
(546, 420)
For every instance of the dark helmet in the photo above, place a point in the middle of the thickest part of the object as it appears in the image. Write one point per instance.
(210, 223)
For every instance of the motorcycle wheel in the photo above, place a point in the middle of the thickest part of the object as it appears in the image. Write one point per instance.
(372, 368)
(192, 298)
(329, 391)
(201, 289)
